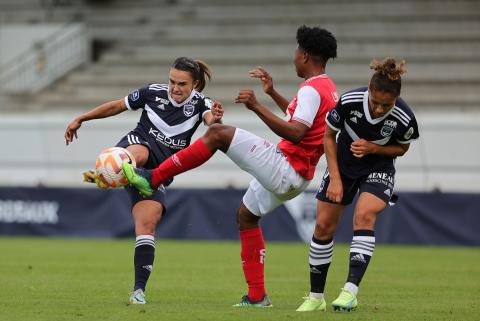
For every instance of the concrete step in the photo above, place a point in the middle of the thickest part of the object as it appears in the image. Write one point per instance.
(373, 10)
(261, 53)
(134, 74)
(343, 31)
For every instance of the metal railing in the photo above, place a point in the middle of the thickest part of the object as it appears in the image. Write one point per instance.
(46, 61)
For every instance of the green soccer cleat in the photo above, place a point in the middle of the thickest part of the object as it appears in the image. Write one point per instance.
(138, 178)
(346, 301)
(312, 304)
(137, 297)
(245, 302)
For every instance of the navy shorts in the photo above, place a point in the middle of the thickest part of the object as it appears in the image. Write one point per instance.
(154, 159)
(379, 183)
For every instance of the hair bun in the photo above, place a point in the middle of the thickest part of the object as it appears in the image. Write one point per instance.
(389, 68)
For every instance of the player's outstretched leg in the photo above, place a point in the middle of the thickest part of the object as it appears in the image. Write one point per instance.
(246, 302)
(137, 297)
(139, 178)
(346, 301)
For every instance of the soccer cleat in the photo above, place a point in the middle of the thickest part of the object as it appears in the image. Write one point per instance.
(137, 297)
(346, 301)
(139, 178)
(312, 304)
(263, 303)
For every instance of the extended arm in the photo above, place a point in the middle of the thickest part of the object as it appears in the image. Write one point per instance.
(267, 83)
(105, 110)
(293, 131)
(335, 188)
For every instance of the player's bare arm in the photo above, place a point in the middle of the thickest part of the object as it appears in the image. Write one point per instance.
(293, 131)
(267, 83)
(362, 147)
(335, 188)
(105, 110)
(215, 115)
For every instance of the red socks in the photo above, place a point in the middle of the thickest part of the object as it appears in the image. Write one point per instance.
(253, 256)
(182, 161)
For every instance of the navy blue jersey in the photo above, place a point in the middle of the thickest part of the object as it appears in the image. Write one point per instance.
(168, 124)
(352, 118)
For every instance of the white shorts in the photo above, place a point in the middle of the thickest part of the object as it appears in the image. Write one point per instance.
(275, 179)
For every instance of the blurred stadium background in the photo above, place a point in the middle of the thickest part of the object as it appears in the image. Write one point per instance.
(60, 58)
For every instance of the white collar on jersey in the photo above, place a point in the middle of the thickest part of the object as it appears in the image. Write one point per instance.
(367, 111)
(175, 104)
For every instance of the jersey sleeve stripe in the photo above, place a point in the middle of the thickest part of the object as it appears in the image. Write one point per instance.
(351, 101)
(400, 117)
(401, 112)
(355, 93)
(302, 121)
(158, 87)
(331, 126)
(127, 104)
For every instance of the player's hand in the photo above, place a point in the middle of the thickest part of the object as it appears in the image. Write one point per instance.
(264, 77)
(71, 131)
(217, 111)
(335, 190)
(362, 147)
(247, 97)
(92, 177)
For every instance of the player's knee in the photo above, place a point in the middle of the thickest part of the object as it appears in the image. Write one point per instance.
(364, 220)
(219, 136)
(324, 230)
(245, 219)
(148, 225)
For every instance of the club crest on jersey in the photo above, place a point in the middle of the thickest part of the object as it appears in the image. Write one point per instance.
(188, 110)
(386, 131)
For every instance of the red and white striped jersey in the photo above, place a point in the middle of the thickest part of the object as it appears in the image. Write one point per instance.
(315, 98)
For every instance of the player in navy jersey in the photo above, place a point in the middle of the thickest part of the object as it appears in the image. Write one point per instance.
(374, 126)
(281, 171)
(170, 115)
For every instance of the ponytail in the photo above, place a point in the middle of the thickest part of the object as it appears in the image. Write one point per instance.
(199, 70)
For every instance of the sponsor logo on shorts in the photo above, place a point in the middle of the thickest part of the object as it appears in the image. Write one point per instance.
(381, 178)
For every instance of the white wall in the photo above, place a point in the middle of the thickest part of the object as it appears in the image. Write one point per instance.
(16, 39)
(446, 157)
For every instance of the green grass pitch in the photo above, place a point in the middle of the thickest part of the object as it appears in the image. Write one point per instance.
(70, 279)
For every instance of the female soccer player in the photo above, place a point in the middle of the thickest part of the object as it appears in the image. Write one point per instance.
(281, 171)
(171, 114)
(375, 126)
